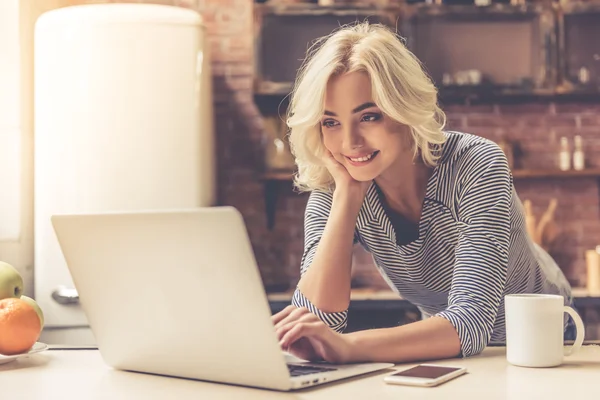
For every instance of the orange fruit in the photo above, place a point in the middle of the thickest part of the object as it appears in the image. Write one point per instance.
(20, 326)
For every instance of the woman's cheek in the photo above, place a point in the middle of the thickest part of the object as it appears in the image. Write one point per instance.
(329, 145)
(332, 145)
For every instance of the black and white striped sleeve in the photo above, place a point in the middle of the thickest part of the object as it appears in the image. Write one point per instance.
(315, 219)
(481, 261)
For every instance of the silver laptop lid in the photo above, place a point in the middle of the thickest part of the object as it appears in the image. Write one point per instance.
(174, 293)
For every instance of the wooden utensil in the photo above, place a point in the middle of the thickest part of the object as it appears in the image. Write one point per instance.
(530, 221)
(547, 230)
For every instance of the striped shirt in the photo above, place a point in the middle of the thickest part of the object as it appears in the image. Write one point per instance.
(472, 247)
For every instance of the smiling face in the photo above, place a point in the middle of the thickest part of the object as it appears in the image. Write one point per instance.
(357, 133)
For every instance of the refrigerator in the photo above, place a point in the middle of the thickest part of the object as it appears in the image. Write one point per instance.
(123, 121)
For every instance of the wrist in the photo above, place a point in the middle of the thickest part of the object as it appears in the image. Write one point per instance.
(357, 352)
(352, 197)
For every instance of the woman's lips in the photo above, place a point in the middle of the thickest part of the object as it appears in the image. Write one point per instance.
(362, 159)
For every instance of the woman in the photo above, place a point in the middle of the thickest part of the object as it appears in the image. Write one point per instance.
(436, 209)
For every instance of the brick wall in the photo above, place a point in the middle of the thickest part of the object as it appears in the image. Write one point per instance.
(536, 126)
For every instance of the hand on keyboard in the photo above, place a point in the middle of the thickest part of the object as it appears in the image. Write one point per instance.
(304, 335)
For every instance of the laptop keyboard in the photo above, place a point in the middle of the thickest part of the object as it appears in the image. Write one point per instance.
(298, 370)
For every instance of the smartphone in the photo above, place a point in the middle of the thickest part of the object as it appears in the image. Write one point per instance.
(426, 375)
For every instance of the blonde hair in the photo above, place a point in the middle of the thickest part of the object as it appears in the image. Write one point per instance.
(400, 87)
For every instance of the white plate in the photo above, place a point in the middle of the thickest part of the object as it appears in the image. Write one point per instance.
(37, 347)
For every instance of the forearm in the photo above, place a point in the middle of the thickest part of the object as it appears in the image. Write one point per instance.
(433, 338)
(327, 282)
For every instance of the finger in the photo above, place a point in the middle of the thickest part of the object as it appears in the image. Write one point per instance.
(292, 316)
(335, 167)
(300, 330)
(283, 329)
(282, 314)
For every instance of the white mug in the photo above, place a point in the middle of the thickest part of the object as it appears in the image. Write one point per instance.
(535, 330)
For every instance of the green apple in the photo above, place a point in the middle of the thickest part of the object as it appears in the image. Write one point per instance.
(36, 307)
(11, 282)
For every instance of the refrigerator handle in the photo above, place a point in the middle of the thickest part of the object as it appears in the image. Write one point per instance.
(66, 296)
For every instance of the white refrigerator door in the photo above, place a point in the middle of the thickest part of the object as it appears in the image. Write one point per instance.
(123, 121)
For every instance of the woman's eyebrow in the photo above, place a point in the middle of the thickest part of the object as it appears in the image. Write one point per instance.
(363, 106)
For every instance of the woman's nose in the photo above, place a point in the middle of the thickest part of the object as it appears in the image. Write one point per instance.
(352, 139)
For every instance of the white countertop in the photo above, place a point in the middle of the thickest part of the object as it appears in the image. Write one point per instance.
(82, 375)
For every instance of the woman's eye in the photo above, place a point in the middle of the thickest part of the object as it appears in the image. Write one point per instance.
(371, 117)
(329, 123)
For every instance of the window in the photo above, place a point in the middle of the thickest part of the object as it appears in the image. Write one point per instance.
(10, 122)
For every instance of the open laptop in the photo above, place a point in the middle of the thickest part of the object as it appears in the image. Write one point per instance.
(178, 293)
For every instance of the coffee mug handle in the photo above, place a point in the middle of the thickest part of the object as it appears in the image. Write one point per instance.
(579, 328)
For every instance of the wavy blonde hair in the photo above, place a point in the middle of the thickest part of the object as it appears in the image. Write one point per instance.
(400, 87)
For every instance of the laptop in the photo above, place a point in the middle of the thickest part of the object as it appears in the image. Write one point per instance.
(178, 293)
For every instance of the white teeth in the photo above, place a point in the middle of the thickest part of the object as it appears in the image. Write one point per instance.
(362, 159)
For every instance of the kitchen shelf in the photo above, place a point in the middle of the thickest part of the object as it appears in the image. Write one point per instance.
(369, 294)
(370, 308)
(557, 174)
(273, 179)
(278, 93)
(517, 173)
(278, 176)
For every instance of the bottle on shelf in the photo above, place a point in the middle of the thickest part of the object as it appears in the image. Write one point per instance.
(578, 156)
(593, 270)
(564, 156)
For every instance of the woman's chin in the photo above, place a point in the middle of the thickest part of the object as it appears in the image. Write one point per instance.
(362, 176)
